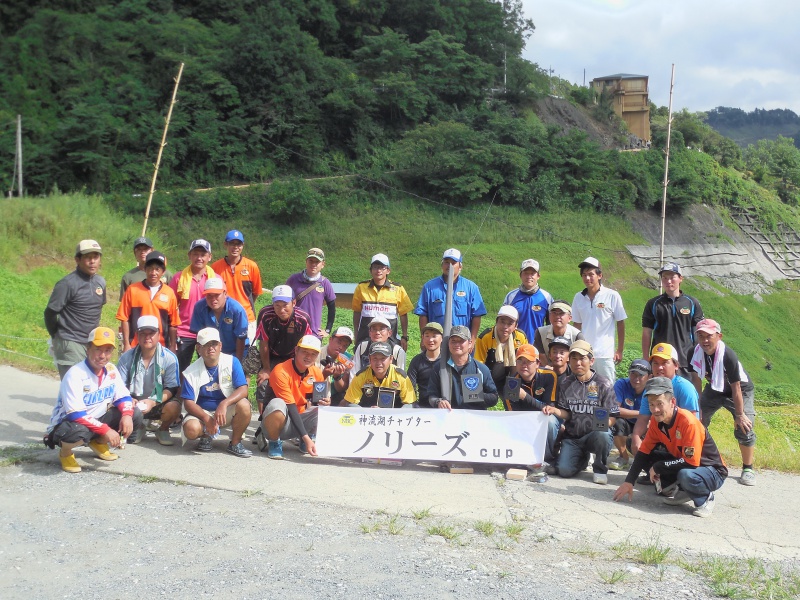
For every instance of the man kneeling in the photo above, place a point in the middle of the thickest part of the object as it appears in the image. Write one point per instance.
(214, 393)
(94, 407)
(691, 468)
(287, 415)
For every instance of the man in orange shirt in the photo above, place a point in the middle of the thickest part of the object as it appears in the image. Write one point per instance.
(287, 415)
(242, 277)
(150, 297)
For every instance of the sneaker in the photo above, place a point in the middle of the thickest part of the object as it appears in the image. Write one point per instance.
(164, 438)
(204, 445)
(69, 464)
(620, 464)
(152, 424)
(302, 447)
(136, 436)
(600, 478)
(275, 451)
(102, 452)
(239, 450)
(551, 469)
(644, 480)
(670, 490)
(679, 498)
(537, 471)
(705, 509)
(748, 477)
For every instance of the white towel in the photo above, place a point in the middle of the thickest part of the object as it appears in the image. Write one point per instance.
(717, 369)
(505, 353)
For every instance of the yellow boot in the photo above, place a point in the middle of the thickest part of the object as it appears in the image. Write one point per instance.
(102, 451)
(69, 464)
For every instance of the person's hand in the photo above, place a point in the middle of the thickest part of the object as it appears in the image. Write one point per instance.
(653, 475)
(340, 368)
(522, 393)
(617, 357)
(263, 375)
(125, 426)
(743, 422)
(329, 370)
(626, 489)
(211, 425)
(325, 402)
(404, 344)
(219, 415)
(322, 333)
(548, 409)
(111, 438)
(442, 403)
(311, 445)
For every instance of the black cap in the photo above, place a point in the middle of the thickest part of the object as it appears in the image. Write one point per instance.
(142, 241)
(561, 341)
(155, 256)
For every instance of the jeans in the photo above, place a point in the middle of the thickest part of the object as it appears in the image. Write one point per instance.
(699, 483)
(575, 453)
(553, 425)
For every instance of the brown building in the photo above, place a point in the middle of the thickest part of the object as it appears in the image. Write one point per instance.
(629, 97)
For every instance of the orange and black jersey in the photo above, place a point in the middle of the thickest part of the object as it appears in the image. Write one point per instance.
(541, 391)
(687, 441)
(137, 302)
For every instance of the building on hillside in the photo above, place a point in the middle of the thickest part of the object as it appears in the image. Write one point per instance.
(629, 97)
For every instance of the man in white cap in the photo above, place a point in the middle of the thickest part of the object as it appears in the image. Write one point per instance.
(150, 372)
(214, 393)
(74, 308)
(379, 331)
(292, 412)
(529, 299)
(311, 289)
(380, 297)
(222, 312)
(94, 407)
(597, 311)
(560, 315)
(468, 307)
(336, 363)
(496, 347)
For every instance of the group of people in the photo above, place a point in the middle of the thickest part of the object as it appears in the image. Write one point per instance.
(541, 354)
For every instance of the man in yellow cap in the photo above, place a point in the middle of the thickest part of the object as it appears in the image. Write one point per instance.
(94, 407)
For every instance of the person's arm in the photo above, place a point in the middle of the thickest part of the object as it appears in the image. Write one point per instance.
(647, 341)
(620, 341)
(239, 352)
(740, 420)
(404, 332)
(423, 320)
(626, 489)
(239, 393)
(544, 360)
(698, 383)
(561, 413)
(51, 321)
(331, 304)
(639, 429)
(475, 326)
(266, 368)
(356, 321)
(125, 326)
(173, 339)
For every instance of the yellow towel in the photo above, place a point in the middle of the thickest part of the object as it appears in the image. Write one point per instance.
(185, 281)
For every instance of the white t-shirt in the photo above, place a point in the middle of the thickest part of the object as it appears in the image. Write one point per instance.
(598, 319)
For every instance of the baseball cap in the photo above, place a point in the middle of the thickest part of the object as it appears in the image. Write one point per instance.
(709, 326)
(461, 331)
(529, 264)
(589, 261)
(657, 386)
(315, 253)
(234, 234)
(310, 342)
(343, 332)
(87, 247)
(665, 351)
(581, 347)
(214, 285)
(142, 241)
(147, 322)
(508, 311)
(380, 321)
(380, 259)
(206, 335)
(560, 305)
(155, 256)
(433, 326)
(640, 365)
(380, 348)
(452, 254)
(200, 243)
(102, 336)
(560, 341)
(528, 351)
(670, 266)
(282, 293)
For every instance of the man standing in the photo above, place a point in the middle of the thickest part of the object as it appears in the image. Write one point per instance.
(188, 286)
(225, 314)
(422, 365)
(94, 407)
(560, 316)
(529, 299)
(585, 402)
(74, 308)
(150, 297)
(379, 297)
(142, 246)
(691, 468)
(596, 311)
(381, 384)
(214, 393)
(311, 289)
(150, 372)
(671, 318)
(242, 277)
(471, 384)
(497, 346)
(468, 307)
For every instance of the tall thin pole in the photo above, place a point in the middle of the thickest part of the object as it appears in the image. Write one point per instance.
(19, 155)
(666, 176)
(447, 389)
(161, 149)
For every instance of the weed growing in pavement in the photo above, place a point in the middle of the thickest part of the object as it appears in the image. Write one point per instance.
(448, 532)
(394, 527)
(652, 553)
(588, 548)
(419, 515)
(487, 528)
(250, 493)
(514, 530)
(147, 479)
(15, 455)
(612, 577)
(370, 527)
(502, 545)
(747, 578)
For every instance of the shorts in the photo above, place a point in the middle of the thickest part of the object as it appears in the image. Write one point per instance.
(154, 414)
(229, 414)
(621, 428)
(71, 432)
(289, 431)
(67, 354)
(711, 401)
(251, 331)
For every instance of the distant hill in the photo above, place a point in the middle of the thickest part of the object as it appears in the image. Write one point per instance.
(747, 128)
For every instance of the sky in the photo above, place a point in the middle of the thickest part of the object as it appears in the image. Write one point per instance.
(726, 52)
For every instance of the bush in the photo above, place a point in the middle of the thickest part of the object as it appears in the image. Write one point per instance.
(292, 200)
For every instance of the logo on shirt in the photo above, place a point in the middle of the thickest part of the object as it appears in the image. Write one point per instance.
(162, 297)
(472, 382)
(310, 380)
(536, 308)
(461, 294)
(212, 387)
(228, 320)
(601, 305)
(320, 289)
(688, 452)
(678, 435)
(629, 402)
(98, 291)
(591, 391)
(369, 390)
(685, 311)
(538, 391)
(245, 272)
(86, 389)
(395, 384)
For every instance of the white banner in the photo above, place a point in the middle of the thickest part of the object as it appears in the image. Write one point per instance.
(476, 436)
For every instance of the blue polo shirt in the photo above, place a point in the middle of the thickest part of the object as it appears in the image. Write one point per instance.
(467, 301)
(685, 394)
(532, 308)
(232, 325)
(210, 395)
(627, 397)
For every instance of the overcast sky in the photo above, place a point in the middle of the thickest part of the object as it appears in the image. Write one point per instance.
(726, 52)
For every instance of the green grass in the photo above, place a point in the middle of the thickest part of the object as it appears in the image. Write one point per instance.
(487, 528)
(747, 578)
(448, 532)
(15, 455)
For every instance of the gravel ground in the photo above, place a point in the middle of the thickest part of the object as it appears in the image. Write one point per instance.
(110, 536)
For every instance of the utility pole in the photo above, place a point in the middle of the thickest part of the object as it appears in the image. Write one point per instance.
(19, 155)
(666, 177)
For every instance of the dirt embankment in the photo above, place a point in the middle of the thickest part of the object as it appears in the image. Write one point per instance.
(556, 111)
